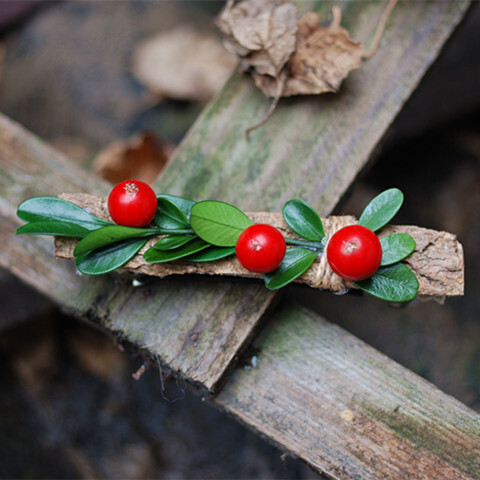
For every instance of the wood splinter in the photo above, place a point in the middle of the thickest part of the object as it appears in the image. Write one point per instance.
(437, 261)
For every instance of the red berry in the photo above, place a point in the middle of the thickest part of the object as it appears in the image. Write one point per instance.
(354, 253)
(132, 203)
(260, 248)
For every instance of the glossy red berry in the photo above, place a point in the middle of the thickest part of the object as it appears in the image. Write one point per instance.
(354, 253)
(260, 248)
(132, 203)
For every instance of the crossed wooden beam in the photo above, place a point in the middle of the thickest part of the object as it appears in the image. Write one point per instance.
(315, 390)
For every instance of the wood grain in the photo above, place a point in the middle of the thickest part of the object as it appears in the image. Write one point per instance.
(437, 260)
(192, 327)
(312, 148)
(347, 409)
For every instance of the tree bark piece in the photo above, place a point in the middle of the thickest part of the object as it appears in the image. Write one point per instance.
(437, 260)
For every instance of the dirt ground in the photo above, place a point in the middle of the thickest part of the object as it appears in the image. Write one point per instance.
(69, 407)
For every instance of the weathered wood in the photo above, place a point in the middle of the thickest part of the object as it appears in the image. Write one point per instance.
(437, 260)
(443, 94)
(171, 320)
(214, 158)
(347, 409)
(312, 148)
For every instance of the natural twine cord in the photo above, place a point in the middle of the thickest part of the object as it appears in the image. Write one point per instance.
(324, 277)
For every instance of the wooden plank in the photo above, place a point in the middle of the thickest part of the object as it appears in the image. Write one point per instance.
(443, 95)
(437, 260)
(169, 320)
(312, 148)
(289, 157)
(29, 168)
(347, 409)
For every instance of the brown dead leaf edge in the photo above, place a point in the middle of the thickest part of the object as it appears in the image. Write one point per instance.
(142, 157)
(287, 57)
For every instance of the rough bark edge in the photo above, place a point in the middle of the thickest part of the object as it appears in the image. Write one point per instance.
(437, 261)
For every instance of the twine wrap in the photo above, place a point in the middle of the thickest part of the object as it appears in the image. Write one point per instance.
(324, 277)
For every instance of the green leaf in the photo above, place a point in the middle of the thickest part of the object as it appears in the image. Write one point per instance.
(218, 223)
(173, 212)
(396, 283)
(173, 241)
(297, 261)
(53, 227)
(303, 220)
(110, 234)
(381, 209)
(211, 254)
(48, 209)
(154, 255)
(183, 204)
(396, 247)
(110, 258)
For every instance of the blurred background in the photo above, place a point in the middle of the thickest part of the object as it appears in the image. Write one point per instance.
(115, 86)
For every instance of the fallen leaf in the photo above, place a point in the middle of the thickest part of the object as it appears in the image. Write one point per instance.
(141, 157)
(286, 57)
(322, 60)
(183, 64)
(261, 32)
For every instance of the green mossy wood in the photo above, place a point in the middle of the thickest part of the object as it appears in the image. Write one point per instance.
(330, 398)
(312, 148)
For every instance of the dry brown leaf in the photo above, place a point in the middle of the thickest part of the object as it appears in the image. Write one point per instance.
(142, 157)
(183, 64)
(322, 60)
(261, 32)
(289, 58)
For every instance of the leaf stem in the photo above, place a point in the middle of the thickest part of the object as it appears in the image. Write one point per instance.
(281, 80)
(305, 243)
(380, 28)
(175, 231)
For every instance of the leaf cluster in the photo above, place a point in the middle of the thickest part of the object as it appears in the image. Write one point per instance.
(207, 231)
(393, 282)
